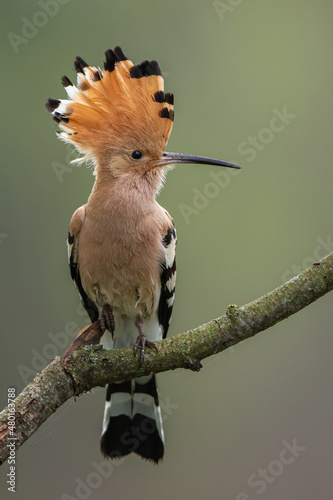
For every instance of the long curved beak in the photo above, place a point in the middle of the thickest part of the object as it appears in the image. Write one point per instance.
(168, 158)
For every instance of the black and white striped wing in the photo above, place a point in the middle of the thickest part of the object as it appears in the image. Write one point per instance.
(72, 246)
(168, 279)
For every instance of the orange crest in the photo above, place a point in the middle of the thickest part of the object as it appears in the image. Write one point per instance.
(120, 108)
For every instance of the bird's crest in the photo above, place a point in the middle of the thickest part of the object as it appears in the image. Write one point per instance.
(122, 105)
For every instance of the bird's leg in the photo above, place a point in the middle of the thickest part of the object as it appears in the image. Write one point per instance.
(107, 320)
(142, 341)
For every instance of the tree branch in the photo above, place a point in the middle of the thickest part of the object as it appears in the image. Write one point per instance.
(93, 366)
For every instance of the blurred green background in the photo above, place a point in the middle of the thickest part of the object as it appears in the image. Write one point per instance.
(233, 66)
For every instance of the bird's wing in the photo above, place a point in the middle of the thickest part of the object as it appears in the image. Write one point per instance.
(73, 252)
(168, 277)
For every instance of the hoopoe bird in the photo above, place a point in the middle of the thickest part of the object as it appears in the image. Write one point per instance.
(122, 243)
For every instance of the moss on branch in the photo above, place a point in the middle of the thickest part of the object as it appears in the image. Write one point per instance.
(92, 366)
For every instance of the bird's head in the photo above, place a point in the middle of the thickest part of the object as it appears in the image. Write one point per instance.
(120, 117)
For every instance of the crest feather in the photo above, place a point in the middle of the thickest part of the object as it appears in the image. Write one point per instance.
(107, 106)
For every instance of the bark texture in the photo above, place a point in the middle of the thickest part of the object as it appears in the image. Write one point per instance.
(91, 365)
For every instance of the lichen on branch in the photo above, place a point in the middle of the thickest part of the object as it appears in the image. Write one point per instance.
(92, 366)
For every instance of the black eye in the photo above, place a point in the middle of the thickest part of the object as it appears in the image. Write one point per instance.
(136, 155)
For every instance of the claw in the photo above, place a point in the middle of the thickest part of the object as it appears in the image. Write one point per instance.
(142, 342)
(107, 319)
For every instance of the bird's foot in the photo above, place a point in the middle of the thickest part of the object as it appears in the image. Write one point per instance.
(142, 342)
(107, 320)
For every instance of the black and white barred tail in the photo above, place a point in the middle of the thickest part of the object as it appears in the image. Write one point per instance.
(132, 420)
(132, 416)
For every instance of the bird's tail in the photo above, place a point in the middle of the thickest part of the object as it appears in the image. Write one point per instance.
(132, 420)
